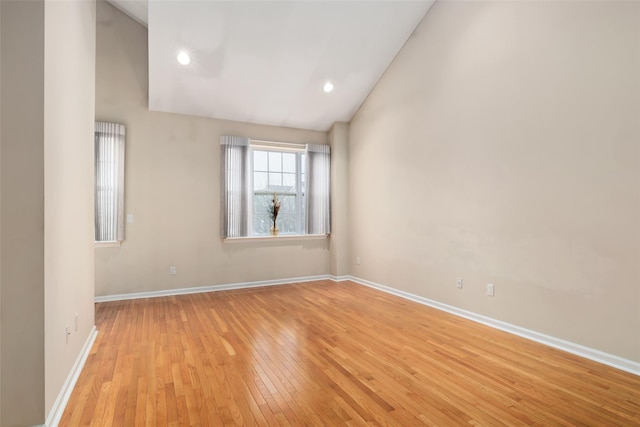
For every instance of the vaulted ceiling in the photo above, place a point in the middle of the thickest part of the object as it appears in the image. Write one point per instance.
(268, 61)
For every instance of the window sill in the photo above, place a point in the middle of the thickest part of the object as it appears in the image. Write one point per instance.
(285, 237)
(107, 244)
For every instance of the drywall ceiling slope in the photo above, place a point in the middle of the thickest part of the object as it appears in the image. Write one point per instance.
(137, 9)
(266, 62)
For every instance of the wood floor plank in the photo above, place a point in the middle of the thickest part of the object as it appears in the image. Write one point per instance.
(325, 353)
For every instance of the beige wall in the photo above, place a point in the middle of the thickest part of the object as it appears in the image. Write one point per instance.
(0, 217)
(339, 254)
(172, 184)
(46, 192)
(22, 195)
(502, 146)
(69, 93)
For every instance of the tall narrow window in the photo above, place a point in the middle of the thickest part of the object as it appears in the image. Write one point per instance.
(233, 202)
(109, 182)
(318, 210)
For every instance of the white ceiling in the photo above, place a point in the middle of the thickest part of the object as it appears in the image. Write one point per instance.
(267, 61)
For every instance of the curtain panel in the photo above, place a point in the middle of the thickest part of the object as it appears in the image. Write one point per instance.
(234, 195)
(318, 209)
(109, 181)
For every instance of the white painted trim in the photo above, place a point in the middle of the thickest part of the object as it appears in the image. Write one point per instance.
(280, 237)
(577, 349)
(107, 244)
(65, 393)
(215, 288)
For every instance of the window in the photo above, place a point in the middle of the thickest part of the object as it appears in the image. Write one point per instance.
(254, 170)
(278, 172)
(109, 182)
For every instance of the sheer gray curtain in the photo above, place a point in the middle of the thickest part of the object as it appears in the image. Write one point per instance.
(234, 155)
(109, 182)
(318, 209)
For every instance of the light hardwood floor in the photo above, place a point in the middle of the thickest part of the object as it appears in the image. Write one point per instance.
(325, 353)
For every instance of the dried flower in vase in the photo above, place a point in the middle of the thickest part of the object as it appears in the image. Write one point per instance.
(275, 208)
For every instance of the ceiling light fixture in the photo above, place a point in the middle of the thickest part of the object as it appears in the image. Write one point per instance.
(328, 87)
(183, 58)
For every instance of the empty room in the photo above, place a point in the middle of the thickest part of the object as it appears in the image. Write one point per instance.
(328, 213)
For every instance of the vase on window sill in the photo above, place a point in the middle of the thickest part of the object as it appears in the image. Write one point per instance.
(274, 230)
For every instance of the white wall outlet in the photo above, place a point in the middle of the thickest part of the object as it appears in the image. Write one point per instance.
(357, 260)
(67, 332)
(491, 291)
(172, 270)
(75, 317)
(129, 218)
(459, 282)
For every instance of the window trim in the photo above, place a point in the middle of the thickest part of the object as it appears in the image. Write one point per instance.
(288, 237)
(107, 243)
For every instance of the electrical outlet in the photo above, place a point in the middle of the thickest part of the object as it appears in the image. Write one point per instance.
(459, 282)
(491, 291)
(76, 321)
(172, 270)
(358, 260)
(129, 218)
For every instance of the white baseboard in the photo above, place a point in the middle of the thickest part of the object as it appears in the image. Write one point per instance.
(215, 288)
(577, 349)
(63, 397)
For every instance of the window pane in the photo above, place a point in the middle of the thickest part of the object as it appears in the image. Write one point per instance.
(275, 181)
(275, 162)
(261, 223)
(259, 181)
(303, 163)
(287, 203)
(261, 203)
(302, 214)
(289, 182)
(259, 160)
(261, 213)
(287, 223)
(289, 162)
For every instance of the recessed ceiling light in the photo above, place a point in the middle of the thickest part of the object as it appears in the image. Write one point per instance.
(183, 58)
(328, 87)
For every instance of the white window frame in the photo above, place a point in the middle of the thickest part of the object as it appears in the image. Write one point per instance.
(299, 150)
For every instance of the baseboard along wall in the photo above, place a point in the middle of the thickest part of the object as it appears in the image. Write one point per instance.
(65, 393)
(216, 288)
(573, 348)
(577, 349)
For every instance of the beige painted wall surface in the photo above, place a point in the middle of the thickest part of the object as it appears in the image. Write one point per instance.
(0, 217)
(69, 78)
(22, 194)
(339, 140)
(172, 184)
(502, 146)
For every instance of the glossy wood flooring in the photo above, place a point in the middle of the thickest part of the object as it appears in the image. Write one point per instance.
(323, 353)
